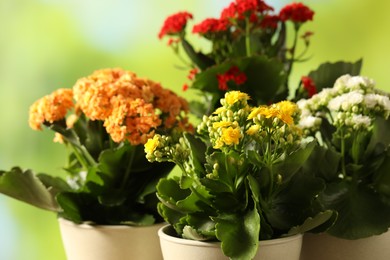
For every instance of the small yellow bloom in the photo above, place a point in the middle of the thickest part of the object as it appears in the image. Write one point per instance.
(231, 135)
(267, 112)
(254, 129)
(286, 111)
(151, 144)
(232, 97)
(219, 110)
(221, 124)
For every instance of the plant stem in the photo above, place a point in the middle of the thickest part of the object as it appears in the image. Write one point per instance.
(293, 48)
(247, 38)
(343, 170)
(128, 170)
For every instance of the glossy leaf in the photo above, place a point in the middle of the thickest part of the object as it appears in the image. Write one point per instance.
(27, 187)
(239, 234)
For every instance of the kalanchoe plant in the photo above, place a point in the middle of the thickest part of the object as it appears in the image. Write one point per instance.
(248, 48)
(351, 123)
(103, 121)
(242, 178)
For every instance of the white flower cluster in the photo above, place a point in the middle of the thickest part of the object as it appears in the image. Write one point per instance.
(353, 102)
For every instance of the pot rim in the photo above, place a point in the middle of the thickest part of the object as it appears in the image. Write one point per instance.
(87, 225)
(166, 231)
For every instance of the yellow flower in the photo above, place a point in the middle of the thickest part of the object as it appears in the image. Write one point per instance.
(232, 97)
(265, 111)
(254, 129)
(221, 124)
(286, 111)
(151, 144)
(230, 136)
(219, 110)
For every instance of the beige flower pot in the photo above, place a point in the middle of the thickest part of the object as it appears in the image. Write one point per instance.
(326, 247)
(174, 248)
(86, 242)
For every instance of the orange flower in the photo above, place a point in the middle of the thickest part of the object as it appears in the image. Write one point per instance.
(50, 108)
(132, 120)
(93, 93)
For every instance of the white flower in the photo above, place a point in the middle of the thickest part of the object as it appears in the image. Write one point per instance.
(348, 83)
(346, 101)
(358, 121)
(310, 122)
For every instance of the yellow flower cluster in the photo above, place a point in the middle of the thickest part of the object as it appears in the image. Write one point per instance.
(229, 124)
(131, 108)
(284, 110)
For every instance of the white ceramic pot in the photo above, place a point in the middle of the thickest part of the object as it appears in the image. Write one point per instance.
(87, 242)
(326, 247)
(174, 248)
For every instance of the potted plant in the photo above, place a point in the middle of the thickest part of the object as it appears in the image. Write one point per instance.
(250, 51)
(242, 182)
(103, 121)
(351, 123)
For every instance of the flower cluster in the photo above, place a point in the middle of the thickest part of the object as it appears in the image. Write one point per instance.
(104, 121)
(248, 38)
(352, 104)
(130, 107)
(240, 167)
(351, 123)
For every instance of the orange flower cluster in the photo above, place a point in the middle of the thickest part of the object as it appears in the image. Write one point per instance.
(50, 108)
(131, 108)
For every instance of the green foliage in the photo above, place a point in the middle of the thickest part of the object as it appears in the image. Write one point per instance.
(352, 160)
(117, 187)
(228, 203)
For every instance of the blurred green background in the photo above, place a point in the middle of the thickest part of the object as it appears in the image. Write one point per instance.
(48, 44)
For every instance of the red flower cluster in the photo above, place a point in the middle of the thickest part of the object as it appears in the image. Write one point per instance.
(309, 86)
(270, 21)
(175, 24)
(233, 74)
(245, 8)
(296, 12)
(211, 25)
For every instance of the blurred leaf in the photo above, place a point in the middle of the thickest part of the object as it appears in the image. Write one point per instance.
(361, 211)
(323, 219)
(327, 73)
(27, 187)
(201, 60)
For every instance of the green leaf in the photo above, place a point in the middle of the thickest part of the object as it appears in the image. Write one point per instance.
(27, 187)
(327, 73)
(239, 234)
(201, 60)
(293, 203)
(289, 165)
(361, 211)
(323, 219)
(171, 216)
(265, 77)
(382, 177)
(323, 162)
(69, 202)
(169, 192)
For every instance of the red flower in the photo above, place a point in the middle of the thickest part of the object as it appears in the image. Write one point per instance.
(309, 86)
(245, 8)
(211, 25)
(174, 24)
(229, 12)
(185, 87)
(192, 73)
(233, 74)
(296, 12)
(270, 21)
